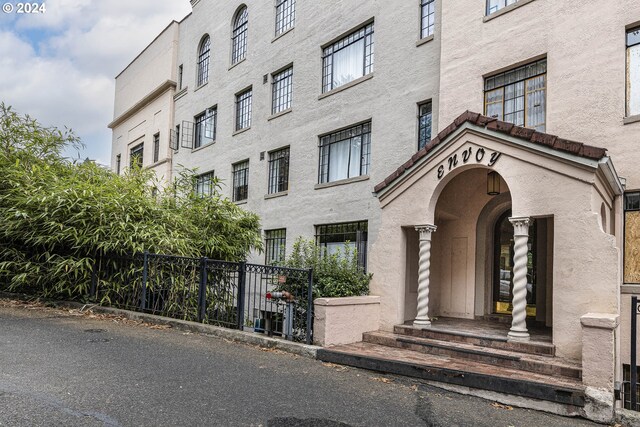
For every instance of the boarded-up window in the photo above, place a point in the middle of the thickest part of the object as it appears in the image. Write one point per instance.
(633, 72)
(632, 238)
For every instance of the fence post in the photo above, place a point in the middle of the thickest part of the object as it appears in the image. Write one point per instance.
(145, 268)
(310, 307)
(242, 271)
(634, 349)
(94, 279)
(202, 290)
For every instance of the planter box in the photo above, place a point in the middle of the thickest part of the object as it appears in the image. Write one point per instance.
(344, 320)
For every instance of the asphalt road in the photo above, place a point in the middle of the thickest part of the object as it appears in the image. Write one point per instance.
(66, 368)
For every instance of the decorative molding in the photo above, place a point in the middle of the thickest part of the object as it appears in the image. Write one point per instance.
(519, 315)
(425, 231)
(520, 225)
(159, 90)
(424, 272)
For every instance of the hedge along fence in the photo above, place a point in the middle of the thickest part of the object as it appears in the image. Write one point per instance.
(57, 216)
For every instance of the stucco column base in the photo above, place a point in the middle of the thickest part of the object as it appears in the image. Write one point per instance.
(518, 335)
(422, 322)
(598, 364)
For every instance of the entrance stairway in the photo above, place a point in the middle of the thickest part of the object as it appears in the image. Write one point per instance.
(479, 359)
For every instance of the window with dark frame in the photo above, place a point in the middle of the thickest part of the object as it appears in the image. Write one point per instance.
(281, 90)
(334, 237)
(632, 237)
(177, 138)
(243, 109)
(285, 15)
(275, 242)
(239, 37)
(348, 59)
(424, 124)
(118, 162)
(345, 154)
(428, 17)
(205, 127)
(203, 61)
(180, 71)
(495, 5)
(518, 96)
(205, 184)
(135, 156)
(241, 181)
(633, 71)
(156, 147)
(279, 171)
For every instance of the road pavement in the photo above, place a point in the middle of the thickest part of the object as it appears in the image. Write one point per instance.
(71, 368)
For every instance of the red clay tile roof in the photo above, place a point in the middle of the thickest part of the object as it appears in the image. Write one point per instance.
(490, 123)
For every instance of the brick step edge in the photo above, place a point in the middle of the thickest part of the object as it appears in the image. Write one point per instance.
(517, 387)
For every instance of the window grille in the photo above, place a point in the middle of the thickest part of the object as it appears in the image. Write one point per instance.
(334, 237)
(348, 59)
(424, 124)
(135, 156)
(239, 38)
(285, 15)
(345, 154)
(174, 138)
(205, 184)
(203, 61)
(241, 181)
(186, 138)
(427, 21)
(518, 96)
(279, 171)
(118, 160)
(156, 147)
(243, 110)
(281, 91)
(180, 71)
(275, 242)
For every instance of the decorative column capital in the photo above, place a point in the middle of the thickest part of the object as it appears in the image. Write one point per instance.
(520, 225)
(425, 231)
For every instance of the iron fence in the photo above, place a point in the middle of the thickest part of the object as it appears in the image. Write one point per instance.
(260, 298)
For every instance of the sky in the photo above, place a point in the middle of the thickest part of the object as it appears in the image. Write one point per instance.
(59, 65)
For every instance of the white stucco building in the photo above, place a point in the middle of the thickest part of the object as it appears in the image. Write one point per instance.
(437, 138)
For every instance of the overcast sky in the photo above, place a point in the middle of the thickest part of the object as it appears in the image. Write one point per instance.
(60, 66)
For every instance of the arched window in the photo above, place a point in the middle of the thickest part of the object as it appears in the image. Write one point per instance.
(203, 61)
(239, 37)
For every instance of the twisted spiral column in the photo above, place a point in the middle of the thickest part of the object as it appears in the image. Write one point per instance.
(519, 315)
(424, 271)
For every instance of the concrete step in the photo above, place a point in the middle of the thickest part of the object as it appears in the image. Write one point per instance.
(491, 356)
(479, 338)
(457, 371)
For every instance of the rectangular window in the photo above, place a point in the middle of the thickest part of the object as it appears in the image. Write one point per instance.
(633, 72)
(428, 16)
(156, 147)
(135, 156)
(205, 184)
(424, 124)
(518, 96)
(285, 15)
(345, 154)
(281, 88)
(279, 171)
(632, 237)
(180, 71)
(496, 5)
(118, 161)
(275, 242)
(348, 59)
(334, 237)
(243, 110)
(241, 181)
(205, 127)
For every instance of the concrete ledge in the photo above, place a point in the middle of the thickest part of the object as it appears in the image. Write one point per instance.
(367, 299)
(183, 325)
(344, 320)
(600, 320)
(627, 418)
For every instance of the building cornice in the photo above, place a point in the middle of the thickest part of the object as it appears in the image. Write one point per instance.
(159, 90)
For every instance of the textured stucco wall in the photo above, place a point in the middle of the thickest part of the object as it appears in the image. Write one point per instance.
(344, 320)
(404, 75)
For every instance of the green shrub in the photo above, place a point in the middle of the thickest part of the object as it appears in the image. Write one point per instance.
(334, 275)
(57, 216)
